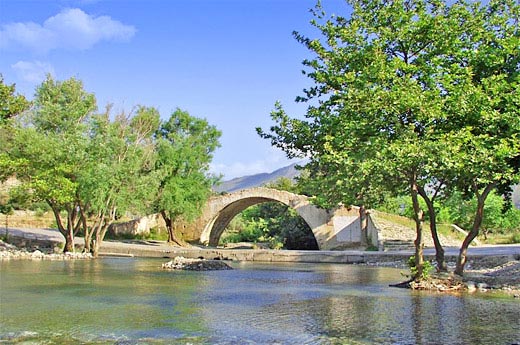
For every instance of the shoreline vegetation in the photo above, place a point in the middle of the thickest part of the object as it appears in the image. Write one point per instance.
(492, 274)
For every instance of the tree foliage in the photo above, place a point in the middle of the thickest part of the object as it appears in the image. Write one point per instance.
(184, 146)
(11, 104)
(50, 150)
(406, 98)
(94, 167)
(118, 174)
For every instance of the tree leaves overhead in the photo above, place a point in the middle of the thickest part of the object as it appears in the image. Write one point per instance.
(408, 95)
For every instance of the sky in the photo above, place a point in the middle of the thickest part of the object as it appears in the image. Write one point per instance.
(227, 61)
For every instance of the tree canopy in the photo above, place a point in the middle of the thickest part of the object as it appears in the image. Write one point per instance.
(91, 167)
(11, 104)
(185, 146)
(411, 95)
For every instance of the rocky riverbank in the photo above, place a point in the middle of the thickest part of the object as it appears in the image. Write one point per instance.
(490, 274)
(9, 252)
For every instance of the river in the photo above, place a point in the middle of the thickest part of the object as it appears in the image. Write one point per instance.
(134, 301)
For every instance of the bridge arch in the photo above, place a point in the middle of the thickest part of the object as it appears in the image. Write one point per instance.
(220, 210)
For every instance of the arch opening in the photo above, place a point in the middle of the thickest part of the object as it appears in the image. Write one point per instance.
(272, 222)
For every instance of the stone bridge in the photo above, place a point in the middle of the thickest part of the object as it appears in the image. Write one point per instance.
(333, 229)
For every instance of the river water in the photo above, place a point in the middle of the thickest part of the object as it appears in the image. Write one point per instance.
(134, 301)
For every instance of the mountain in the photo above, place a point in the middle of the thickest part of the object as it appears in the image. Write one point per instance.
(257, 180)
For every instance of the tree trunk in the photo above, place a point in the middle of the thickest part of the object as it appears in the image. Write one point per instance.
(68, 233)
(363, 219)
(87, 233)
(100, 233)
(439, 251)
(7, 228)
(479, 216)
(172, 238)
(69, 241)
(419, 218)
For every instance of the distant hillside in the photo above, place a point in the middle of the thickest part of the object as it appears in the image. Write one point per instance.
(257, 180)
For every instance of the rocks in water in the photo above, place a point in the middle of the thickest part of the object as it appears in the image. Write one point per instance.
(471, 286)
(182, 263)
(482, 286)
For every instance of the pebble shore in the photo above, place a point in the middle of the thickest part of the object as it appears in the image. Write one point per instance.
(10, 252)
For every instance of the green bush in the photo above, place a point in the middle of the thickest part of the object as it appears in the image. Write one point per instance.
(461, 211)
(426, 271)
(515, 238)
(497, 219)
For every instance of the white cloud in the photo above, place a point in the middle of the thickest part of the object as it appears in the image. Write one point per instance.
(70, 29)
(33, 72)
(276, 160)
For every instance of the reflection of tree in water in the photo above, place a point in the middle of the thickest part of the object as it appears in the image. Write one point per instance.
(349, 315)
(452, 319)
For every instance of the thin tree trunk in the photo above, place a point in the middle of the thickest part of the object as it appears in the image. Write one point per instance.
(100, 234)
(172, 238)
(87, 233)
(477, 222)
(363, 225)
(419, 218)
(7, 227)
(439, 251)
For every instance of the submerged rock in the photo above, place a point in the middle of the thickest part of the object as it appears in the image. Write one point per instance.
(182, 263)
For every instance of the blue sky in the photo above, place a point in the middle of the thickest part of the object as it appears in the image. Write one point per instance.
(224, 60)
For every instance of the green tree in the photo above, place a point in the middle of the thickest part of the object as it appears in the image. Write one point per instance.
(184, 147)
(50, 150)
(11, 104)
(7, 210)
(397, 105)
(378, 100)
(485, 107)
(117, 176)
(498, 216)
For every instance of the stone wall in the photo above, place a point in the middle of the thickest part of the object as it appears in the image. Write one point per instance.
(138, 226)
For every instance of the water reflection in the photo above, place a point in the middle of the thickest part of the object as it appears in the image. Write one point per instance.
(133, 300)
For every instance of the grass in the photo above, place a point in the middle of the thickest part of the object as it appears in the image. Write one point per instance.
(30, 219)
(448, 231)
(510, 238)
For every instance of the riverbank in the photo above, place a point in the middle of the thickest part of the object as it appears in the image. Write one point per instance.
(501, 278)
(11, 252)
(482, 273)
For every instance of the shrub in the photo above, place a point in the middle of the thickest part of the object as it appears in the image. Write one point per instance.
(427, 268)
